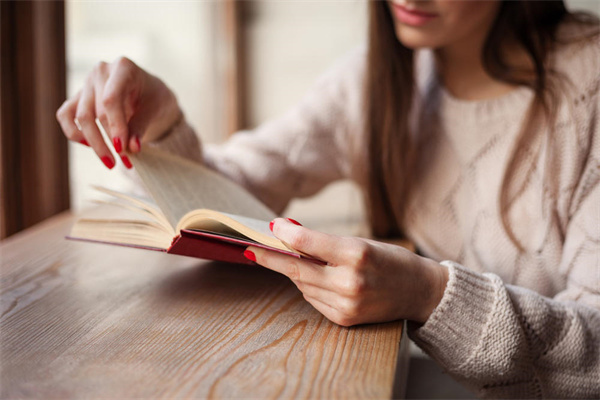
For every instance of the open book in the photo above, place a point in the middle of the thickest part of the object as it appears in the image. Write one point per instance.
(197, 212)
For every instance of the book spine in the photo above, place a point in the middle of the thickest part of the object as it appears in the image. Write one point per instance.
(208, 249)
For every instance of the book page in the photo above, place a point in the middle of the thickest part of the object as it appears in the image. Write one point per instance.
(117, 231)
(179, 186)
(137, 204)
(231, 225)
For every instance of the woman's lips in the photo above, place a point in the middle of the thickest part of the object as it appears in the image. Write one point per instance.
(411, 17)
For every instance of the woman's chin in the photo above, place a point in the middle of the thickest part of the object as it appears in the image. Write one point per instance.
(415, 38)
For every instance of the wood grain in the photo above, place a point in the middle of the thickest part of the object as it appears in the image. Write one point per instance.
(89, 320)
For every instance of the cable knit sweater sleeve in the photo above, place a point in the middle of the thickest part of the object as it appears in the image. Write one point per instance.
(506, 341)
(296, 154)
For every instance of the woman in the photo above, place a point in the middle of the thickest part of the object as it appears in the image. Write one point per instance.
(483, 150)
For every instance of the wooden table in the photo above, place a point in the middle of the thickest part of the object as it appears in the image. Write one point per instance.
(90, 320)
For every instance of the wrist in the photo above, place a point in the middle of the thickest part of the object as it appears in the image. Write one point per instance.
(168, 128)
(168, 114)
(179, 119)
(435, 281)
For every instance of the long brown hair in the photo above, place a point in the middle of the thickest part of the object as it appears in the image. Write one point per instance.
(390, 90)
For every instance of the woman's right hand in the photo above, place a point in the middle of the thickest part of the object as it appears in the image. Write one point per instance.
(132, 106)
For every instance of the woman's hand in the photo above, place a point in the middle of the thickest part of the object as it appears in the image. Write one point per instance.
(131, 105)
(366, 281)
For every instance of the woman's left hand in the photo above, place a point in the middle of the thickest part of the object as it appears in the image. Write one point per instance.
(365, 281)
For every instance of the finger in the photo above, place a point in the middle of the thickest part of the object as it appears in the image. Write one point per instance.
(137, 126)
(100, 77)
(331, 313)
(320, 305)
(102, 117)
(100, 110)
(327, 247)
(118, 85)
(342, 305)
(148, 112)
(86, 117)
(65, 116)
(322, 293)
(134, 143)
(118, 144)
(296, 269)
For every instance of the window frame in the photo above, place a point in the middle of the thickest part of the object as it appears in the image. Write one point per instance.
(33, 151)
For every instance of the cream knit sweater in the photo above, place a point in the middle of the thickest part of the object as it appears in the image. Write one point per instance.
(510, 324)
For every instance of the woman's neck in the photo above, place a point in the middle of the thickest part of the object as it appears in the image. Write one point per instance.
(462, 73)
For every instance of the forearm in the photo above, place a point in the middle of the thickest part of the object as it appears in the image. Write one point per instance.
(503, 341)
(433, 285)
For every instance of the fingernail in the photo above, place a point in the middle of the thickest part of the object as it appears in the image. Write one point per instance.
(117, 144)
(249, 255)
(84, 142)
(293, 221)
(137, 142)
(109, 162)
(271, 225)
(126, 162)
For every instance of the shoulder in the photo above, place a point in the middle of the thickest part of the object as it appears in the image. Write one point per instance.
(353, 62)
(576, 58)
(576, 62)
(345, 77)
(338, 94)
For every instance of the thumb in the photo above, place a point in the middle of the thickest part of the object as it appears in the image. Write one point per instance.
(320, 245)
(138, 125)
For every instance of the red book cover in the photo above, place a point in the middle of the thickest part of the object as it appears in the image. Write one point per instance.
(208, 246)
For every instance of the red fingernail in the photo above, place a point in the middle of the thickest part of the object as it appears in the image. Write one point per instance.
(271, 225)
(137, 141)
(293, 221)
(126, 162)
(117, 143)
(249, 255)
(109, 162)
(84, 142)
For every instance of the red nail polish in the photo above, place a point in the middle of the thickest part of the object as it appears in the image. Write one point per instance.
(109, 162)
(249, 255)
(126, 162)
(84, 142)
(137, 141)
(118, 145)
(271, 225)
(293, 221)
